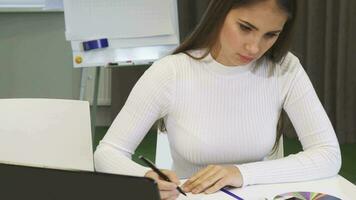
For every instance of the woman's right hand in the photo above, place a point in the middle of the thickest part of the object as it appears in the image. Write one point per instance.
(167, 190)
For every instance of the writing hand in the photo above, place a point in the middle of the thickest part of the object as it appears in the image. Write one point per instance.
(167, 190)
(213, 178)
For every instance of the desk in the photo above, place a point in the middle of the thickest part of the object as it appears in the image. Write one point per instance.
(337, 186)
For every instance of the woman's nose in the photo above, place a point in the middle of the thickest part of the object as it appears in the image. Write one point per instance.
(252, 47)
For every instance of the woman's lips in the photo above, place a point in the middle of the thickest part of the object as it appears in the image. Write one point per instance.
(245, 59)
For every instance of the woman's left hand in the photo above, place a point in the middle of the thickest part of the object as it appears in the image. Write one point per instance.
(212, 179)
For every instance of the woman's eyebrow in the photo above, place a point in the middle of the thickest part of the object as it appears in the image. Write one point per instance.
(254, 27)
(249, 24)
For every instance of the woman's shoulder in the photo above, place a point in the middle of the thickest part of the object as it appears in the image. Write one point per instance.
(173, 58)
(289, 59)
(289, 64)
(178, 60)
(187, 55)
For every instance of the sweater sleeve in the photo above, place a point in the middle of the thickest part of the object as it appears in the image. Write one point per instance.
(321, 153)
(148, 101)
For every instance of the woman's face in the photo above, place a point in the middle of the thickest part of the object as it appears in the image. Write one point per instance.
(248, 32)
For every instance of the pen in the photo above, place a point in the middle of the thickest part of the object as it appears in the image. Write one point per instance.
(155, 169)
(230, 193)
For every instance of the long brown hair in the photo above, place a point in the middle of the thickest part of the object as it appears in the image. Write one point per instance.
(206, 33)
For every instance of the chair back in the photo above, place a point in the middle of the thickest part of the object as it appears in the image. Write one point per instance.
(51, 133)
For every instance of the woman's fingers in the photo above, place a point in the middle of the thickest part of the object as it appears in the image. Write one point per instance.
(167, 186)
(167, 190)
(203, 180)
(195, 177)
(207, 181)
(168, 194)
(217, 186)
(213, 178)
(172, 176)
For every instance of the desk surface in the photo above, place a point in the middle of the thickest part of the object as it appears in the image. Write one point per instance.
(337, 186)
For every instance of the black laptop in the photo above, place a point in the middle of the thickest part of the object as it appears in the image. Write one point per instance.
(27, 183)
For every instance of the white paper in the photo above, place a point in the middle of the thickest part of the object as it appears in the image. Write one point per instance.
(336, 186)
(93, 19)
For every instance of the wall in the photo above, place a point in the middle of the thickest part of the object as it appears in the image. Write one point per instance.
(36, 60)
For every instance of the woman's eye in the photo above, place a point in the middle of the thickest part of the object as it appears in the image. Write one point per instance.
(244, 27)
(271, 35)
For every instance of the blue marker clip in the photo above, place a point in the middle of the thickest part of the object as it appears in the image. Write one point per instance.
(95, 44)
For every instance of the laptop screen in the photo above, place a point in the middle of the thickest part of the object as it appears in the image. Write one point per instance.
(22, 182)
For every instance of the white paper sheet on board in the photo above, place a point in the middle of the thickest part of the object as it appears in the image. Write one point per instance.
(87, 19)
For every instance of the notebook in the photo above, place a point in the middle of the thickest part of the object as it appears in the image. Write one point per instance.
(24, 182)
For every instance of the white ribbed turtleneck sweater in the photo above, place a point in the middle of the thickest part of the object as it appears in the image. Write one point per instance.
(215, 114)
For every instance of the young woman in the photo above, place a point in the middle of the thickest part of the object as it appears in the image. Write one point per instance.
(220, 96)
